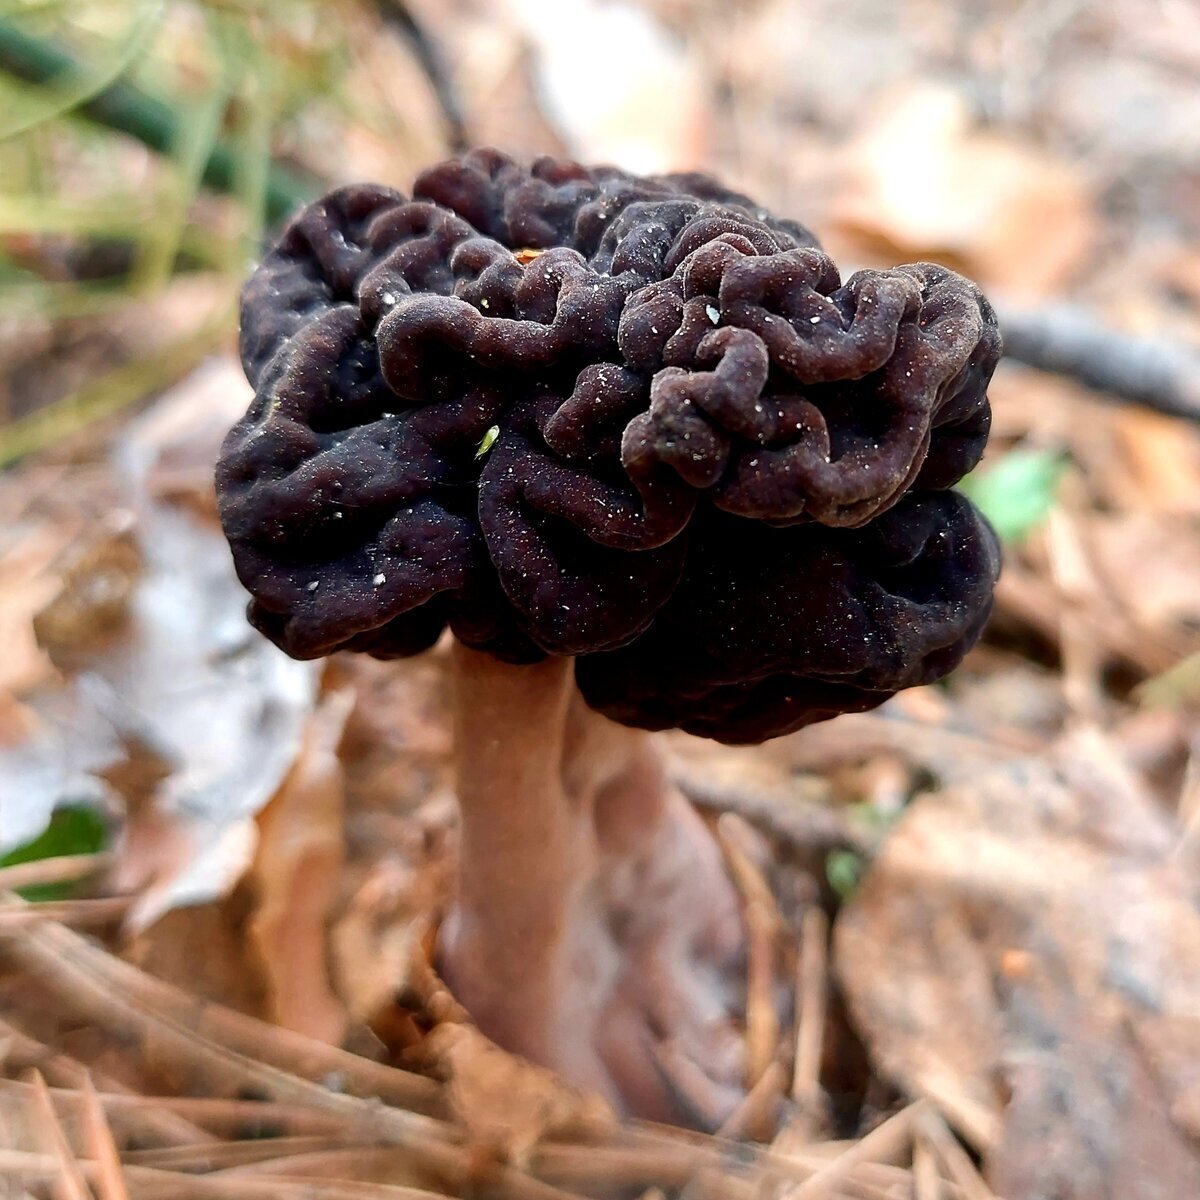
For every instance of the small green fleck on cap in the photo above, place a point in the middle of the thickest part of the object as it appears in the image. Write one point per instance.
(487, 441)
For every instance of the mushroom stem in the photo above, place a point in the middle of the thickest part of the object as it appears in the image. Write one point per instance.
(523, 843)
(593, 913)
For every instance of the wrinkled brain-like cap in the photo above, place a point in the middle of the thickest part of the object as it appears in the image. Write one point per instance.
(638, 421)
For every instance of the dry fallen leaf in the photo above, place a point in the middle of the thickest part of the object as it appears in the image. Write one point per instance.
(1162, 456)
(27, 582)
(89, 608)
(218, 703)
(508, 1105)
(1024, 953)
(172, 700)
(924, 180)
(1163, 593)
(51, 752)
(636, 98)
(379, 944)
(297, 872)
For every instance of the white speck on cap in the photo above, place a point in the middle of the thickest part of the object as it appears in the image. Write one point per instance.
(380, 578)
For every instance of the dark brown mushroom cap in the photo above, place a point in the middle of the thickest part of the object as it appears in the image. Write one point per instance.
(774, 628)
(638, 421)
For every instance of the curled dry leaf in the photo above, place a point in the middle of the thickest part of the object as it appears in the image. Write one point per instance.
(297, 869)
(379, 943)
(1024, 953)
(507, 1104)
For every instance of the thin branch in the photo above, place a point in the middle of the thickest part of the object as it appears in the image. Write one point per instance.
(754, 1117)
(1068, 340)
(64, 868)
(812, 990)
(152, 1182)
(103, 910)
(68, 1182)
(101, 1146)
(889, 1141)
(234, 1118)
(235, 1045)
(399, 16)
(955, 1161)
(240, 1152)
(142, 1117)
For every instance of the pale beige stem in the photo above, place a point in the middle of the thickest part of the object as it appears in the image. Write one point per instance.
(525, 845)
(590, 896)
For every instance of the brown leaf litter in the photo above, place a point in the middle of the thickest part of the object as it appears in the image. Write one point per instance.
(1024, 952)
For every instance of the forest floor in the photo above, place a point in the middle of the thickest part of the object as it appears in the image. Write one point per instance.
(979, 904)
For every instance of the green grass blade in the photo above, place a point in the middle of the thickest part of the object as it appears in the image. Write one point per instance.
(198, 135)
(73, 829)
(75, 89)
(152, 121)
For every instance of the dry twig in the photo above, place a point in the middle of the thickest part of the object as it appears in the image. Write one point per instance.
(67, 1180)
(885, 1143)
(1067, 340)
(763, 924)
(66, 868)
(98, 1137)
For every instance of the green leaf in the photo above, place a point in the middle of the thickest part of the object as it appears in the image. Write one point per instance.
(487, 441)
(74, 829)
(1017, 492)
(873, 818)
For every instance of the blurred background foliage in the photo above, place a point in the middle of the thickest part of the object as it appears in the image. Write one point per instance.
(144, 145)
(1047, 150)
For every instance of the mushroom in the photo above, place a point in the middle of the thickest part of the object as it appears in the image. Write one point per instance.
(635, 444)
